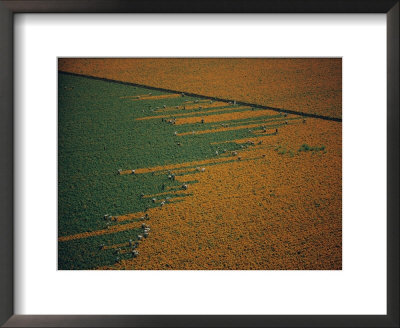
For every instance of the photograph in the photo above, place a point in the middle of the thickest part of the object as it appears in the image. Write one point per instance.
(199, 163)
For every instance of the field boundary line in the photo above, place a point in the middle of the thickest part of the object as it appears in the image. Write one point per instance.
(190, 94)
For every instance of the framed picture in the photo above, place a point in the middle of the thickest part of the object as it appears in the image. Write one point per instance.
(199, 164)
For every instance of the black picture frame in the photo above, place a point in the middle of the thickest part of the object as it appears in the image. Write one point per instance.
(7, 11)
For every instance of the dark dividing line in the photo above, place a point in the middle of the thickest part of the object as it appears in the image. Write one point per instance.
(288, 111)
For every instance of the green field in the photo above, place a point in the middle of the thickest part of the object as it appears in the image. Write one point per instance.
(99, 134)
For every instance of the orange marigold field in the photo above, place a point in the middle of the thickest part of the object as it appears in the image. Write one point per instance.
(310, 85)
(274, 204)
(276, 208)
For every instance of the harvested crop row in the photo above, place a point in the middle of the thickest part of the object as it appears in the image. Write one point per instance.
(110, 230)
(232, 128)
(174, 166)
(224, 117)
(166, 96)
(136, 96)
(192, 113)
(197, 101)
(265, 119)
(195, 106)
